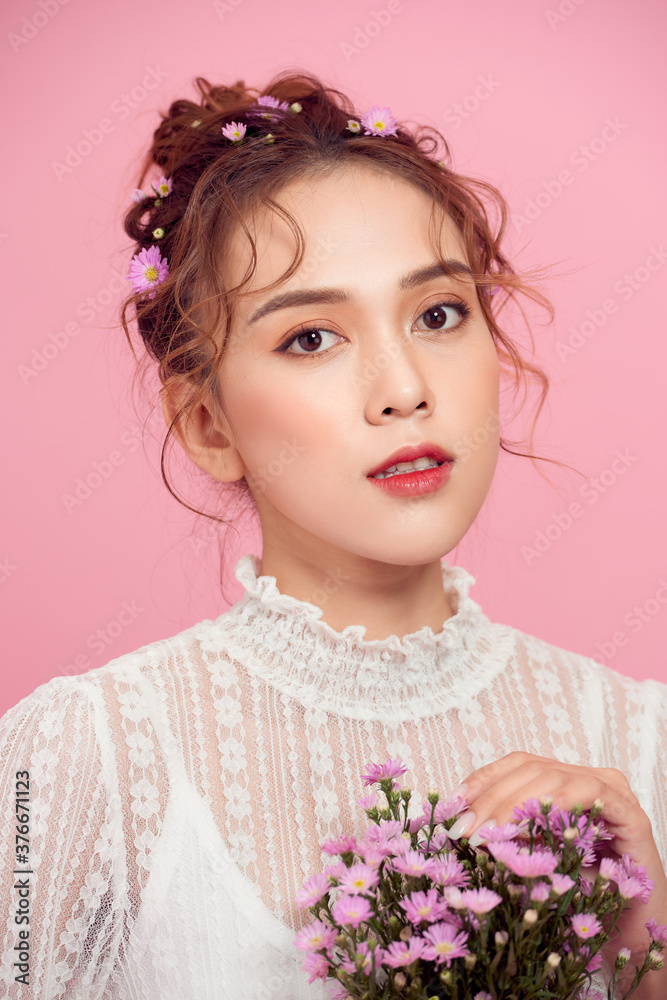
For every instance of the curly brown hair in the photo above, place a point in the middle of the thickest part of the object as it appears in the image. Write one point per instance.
(217, 183)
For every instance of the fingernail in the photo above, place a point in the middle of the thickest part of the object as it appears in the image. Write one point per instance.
(462, 824)
(461, 791)
(476, 840)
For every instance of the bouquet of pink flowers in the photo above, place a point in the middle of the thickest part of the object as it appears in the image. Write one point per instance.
(408, 912)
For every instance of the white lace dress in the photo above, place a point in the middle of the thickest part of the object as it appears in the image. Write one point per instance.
(179, 794)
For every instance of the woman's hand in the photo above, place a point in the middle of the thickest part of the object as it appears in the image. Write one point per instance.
(493, 791)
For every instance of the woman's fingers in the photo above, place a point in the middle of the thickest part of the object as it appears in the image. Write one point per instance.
(495, 789)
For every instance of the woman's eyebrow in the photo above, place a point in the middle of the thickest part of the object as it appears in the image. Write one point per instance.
(309, 296)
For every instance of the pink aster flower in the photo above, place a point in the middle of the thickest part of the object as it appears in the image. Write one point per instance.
(631, 887)
(540, 892)
(266, 107)
(351, 910)
(423, 906)
(147, 269)
(445, 943)
(163, 187)
(480, 900)
(561, 883)
(522, 863)
(658, 932)
(390, 769)
(586, 925)
(367, 801)
(234, 131)
(138, 195)
(315, 937)
(413, 863)
(316, 965)
(359, 879)
(313, 889)
(379, 121)
(353, 125)
(335, 871)
(372, 855)
(608, 869)
(494, 834)
(339, 845)
(447, 810)
(450, 871)
(404, 953)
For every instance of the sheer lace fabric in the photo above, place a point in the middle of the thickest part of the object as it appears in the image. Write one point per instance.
(179, 794)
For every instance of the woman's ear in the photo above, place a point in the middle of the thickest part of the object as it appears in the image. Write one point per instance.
(203, 432)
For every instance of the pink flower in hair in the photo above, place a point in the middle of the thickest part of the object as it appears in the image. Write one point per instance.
(147, 269)
(138, 195)
(234, 131)
(163, 187)
(379, 121)
(266, 107)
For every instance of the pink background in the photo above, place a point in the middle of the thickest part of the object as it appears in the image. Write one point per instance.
(556, 73)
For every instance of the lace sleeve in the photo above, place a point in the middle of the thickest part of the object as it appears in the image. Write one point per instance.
(68, 894)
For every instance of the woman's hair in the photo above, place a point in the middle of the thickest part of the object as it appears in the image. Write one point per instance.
(216, 187)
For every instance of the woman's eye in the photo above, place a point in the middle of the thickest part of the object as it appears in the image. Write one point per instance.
(441, 316)
(308, 340)
(445, 315)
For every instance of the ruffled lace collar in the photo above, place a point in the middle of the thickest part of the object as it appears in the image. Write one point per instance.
(285, 640)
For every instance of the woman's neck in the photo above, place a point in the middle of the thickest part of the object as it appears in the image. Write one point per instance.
(387, 599)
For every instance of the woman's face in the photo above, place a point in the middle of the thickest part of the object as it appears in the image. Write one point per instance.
(308, 423)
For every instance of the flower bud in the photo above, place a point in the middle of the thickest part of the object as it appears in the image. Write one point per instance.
(341, 940)
(515, 891)
(406, 794)
(446, 977)
(569, 833)
(655, 959)
(502, 937)
(545, 804)
(295, 106)
(469, 961)
(406, 934)
(400, 980)
(577, 809)
(433, 796)
(553, 961)
(530, 917)
(622, 957)
(597, 808)
(158, 233)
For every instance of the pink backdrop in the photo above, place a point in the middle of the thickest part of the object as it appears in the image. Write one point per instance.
(560, 103)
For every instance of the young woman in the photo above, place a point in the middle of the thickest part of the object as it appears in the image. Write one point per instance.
(321, 296)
